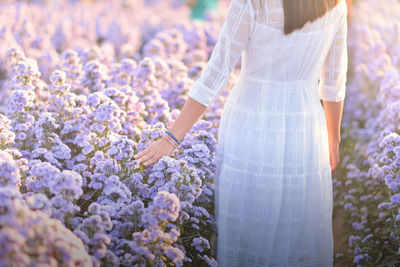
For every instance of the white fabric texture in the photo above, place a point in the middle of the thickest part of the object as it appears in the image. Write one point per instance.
(273, 184)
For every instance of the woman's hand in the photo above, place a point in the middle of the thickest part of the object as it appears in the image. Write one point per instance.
(155, 151)
(334, 154)
(190, 113)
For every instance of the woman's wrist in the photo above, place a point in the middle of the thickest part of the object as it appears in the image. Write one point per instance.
(173, 137)
(170, 140)
(165, 141)
(177, 133)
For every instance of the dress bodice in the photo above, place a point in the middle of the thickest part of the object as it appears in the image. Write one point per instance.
(316, 51)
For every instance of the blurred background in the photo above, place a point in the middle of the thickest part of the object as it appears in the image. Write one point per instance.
(143, 56)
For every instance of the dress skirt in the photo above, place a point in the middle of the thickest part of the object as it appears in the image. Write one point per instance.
(273, 184)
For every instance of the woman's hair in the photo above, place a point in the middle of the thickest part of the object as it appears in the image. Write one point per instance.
(298, 12)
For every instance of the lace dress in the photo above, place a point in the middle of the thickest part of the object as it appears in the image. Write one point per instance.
(273, 184)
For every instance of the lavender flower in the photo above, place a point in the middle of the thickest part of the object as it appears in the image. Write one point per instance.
(6, 135)
(9, 172)
(48, 240)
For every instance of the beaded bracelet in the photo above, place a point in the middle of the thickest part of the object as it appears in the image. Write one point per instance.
(172, 141)
(176, 139)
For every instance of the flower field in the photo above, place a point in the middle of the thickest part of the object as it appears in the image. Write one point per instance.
(86, 86)
(369, 191)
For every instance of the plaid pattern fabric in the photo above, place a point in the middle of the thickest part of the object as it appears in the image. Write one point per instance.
(273, 185)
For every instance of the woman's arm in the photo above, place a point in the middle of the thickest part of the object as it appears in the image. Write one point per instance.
(190, 113)
(232, 40)
(332, 86)
(349, 8)
(333, 113)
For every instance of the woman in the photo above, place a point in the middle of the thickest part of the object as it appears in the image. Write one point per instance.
(277, 145)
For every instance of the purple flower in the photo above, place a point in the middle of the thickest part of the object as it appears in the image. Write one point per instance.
(200, 244)
(67, 183)
(9, 172)
(175, 255)
(367, 237)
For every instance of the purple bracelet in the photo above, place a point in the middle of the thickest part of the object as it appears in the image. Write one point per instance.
(171, 141)
(176, 139)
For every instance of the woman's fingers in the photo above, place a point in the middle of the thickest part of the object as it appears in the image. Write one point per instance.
(146, 157)
(151, 154)
(139, 155)
(151, 160)
(334, 156)
(142, 153)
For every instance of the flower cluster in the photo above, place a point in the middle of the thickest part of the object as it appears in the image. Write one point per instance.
(6, 136)
(85, 93)
(370, 194)
(29, 237)
(92, 230)
(9, 171)
(155, 243)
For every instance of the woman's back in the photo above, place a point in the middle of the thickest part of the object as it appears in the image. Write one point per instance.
(273, 184)
(271, 55)
(316, 51)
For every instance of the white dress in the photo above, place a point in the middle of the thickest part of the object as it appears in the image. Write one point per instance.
(273, 184)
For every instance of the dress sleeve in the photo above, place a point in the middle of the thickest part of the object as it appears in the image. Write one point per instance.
(232, 40)
(332, 86)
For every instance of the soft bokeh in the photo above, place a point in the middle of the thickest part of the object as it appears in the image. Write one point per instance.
(85, 85)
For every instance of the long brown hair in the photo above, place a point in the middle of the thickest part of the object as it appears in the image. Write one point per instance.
(298, 12)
